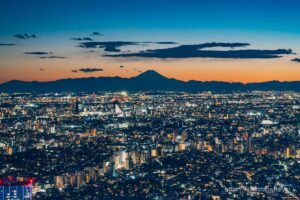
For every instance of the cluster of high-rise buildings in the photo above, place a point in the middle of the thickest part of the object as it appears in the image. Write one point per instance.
(162, 145)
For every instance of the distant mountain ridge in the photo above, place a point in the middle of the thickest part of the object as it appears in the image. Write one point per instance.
(147, 81)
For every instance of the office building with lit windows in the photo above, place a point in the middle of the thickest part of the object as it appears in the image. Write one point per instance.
(11, 189)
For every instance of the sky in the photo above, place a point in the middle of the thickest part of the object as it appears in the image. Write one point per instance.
(206, 40)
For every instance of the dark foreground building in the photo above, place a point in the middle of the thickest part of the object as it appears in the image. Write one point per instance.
(11, 189)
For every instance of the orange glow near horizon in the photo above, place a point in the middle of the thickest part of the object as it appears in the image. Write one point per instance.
(229, 70)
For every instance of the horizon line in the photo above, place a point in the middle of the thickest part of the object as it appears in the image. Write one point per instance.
(233, 82)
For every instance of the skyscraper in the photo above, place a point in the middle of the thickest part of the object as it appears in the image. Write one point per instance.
(249, 143)
(11, 189)
(78, 107)
(118, 110)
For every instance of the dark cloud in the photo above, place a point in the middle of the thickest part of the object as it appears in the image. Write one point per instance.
(76, 39)
(19, 36)
(87, 39)
(82, 39)
(42, 70)
(25, 36)
(165, 42)
(197, 51)
(161, 42)
(44, 55)
(53, 57)
(88, 70)
(107, 46)
(97, 34)
(38, 53)
(7, 44)
(114, 46)
(296, 60)
(29, 36)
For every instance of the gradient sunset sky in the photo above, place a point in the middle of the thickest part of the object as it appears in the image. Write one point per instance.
(42, 40)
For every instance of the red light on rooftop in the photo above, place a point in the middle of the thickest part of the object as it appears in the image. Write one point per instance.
(31, 181)
(12, 181)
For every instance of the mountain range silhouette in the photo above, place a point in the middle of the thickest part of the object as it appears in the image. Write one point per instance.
(147, 81)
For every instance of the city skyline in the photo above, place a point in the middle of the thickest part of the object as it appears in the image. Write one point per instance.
(150, 145)
(44, 41)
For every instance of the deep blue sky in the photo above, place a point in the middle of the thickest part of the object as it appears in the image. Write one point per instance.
(57, 15)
